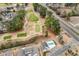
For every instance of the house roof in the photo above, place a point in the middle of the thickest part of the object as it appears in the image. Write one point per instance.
(51, 43)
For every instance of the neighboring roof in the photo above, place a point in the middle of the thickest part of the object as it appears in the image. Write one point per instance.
(47, 45)
(51, 44)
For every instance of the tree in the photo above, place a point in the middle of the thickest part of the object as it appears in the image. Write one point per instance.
(15, 25)
(46, 33)
(53, 24)
(0, 19)
(42, 11)
(21, 13)
(36, 6)
(26, 4)
(60, 38)
(17, 22)
(49, 13)
(13, 10)
(45, 53)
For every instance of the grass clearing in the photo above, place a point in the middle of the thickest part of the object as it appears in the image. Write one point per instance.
(31, 16)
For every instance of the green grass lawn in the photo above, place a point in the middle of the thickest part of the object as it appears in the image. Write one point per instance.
(37, 28)
(33, 17)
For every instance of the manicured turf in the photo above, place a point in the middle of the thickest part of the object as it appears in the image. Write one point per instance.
(37, 28)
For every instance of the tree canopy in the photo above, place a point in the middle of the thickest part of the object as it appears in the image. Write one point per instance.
(15, 25)
(17, 22)
(53, 24)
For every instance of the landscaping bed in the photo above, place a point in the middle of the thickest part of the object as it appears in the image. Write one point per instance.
(21, 34)
(7, 37)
